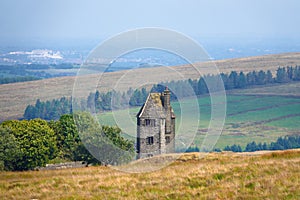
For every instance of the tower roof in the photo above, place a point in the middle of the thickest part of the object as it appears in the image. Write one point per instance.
(153, 107)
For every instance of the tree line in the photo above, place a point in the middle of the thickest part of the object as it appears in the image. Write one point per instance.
(15, 79)
(49, 110)
(106, 101)
(27, 144)
(29, 72)
(282, 143)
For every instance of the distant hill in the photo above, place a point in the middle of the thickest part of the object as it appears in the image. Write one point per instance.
(15, 97)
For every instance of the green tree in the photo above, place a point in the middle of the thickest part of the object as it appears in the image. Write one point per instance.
(10, 151)
(105, 144)
(261, 78)
(91, 102)
(48, 110)
(135, 99)
(68, 140)
(36, 141)
(281, 75)
(297, 73)
(233, 148)
(290, 73)
(30, 112)
(144, 95)
(202, 87)
(251, 78)
(242, 81)
(251, 147)
(80, 137)
(233, 79)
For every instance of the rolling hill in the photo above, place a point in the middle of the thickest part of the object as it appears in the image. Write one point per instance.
(15, 97)
(259, 118)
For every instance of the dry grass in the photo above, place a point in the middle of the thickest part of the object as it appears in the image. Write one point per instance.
(15, 97)
(217, 176)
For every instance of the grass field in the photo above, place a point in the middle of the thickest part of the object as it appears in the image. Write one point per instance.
(216, 176)
(287, 89)
(15, 97)
(249, 118)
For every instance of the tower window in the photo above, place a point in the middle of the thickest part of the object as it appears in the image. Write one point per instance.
(150, 140)
(153, 122)
(147, 122)
(168, 139)
(150, 122)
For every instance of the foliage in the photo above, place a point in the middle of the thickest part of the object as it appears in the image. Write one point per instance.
(74, 137)
(101, 101)
(104, 143)
(234, 148)
(10, 151)
(80, 137)
(35, 143)
(29, 72)
(282, 143)
(49, 110)
(192, 149)
(68, 140)
(6, 80)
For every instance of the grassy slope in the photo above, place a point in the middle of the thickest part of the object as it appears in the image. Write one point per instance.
(288, 89)
(15, 97)
(216, 176)
(249, 118)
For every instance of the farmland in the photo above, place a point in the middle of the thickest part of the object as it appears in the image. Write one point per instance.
(16, 96)
(260, 114)
(288, 89)
(216, 176)
(249, 118)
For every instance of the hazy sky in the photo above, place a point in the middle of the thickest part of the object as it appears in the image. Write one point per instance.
(97, 18)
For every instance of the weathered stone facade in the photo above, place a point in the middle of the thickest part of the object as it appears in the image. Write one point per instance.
(156, 126)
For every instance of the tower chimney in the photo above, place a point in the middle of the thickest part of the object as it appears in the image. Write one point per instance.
(166, 98)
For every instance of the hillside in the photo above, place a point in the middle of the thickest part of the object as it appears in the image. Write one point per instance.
(259, 118)
(15, 97)
(288, 89)
(258, 175)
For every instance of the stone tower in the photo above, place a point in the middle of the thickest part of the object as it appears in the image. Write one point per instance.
(156, 126)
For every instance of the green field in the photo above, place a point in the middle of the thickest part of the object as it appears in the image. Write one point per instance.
(249, 118)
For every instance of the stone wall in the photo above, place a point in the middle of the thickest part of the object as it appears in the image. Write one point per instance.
(78, 164)
(156, 109)
(157, 132)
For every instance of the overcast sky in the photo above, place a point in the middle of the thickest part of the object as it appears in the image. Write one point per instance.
(196, 18)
